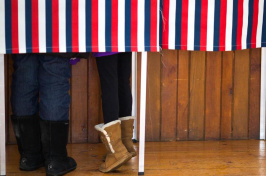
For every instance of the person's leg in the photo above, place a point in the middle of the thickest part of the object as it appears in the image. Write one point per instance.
(125, 101)
(107, 68)
(54, 112)
(124, 90)
(24, 102)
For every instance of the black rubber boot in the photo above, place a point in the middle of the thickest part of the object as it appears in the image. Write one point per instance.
(54, 141)
(27, 132)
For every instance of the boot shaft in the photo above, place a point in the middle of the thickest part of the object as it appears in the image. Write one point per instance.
(54, 139)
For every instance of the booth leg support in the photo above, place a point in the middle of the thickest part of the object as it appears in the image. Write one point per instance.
(2, 118)
(134, 92)
(263, 93)
(142, 111)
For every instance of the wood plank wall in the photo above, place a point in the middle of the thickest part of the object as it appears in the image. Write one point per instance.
(190, 96)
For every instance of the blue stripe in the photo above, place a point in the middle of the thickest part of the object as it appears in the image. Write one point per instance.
(234, 30)
(217, 12)
(128, 25)
(108, 27)
(197, 25)
(8, 26)
(49, 26)
(88, 26)
(250, 22)
(263, 39)
(147, 25)
(161, 25)
(178, 24)
(28, 27)
(69, 25)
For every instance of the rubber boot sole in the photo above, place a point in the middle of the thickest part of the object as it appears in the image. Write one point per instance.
(117, 164)
(61, 173)
(31, 169)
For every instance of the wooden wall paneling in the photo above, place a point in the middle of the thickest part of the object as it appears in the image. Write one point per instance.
(197, 95)
(213, 95)
(79, 99)
(153, 113)
(241, 86)
(94, 100)
(183, 95)
(11, 135)
(227, 94)
(254, 93)
(168, 95)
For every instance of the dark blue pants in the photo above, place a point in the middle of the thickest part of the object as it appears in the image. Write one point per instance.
(40, 85)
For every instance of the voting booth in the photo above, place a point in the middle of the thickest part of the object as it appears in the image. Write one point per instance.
(60, 26)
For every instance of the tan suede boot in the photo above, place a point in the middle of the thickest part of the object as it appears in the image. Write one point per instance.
(117, 153)
(127, 133)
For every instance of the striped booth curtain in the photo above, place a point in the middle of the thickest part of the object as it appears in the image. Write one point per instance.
(213, 25)
(45, 26)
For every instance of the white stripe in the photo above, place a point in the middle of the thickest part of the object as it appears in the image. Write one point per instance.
(62, 26)
(121, 25)
(158, 23)
(260, 22)
(21, 26)
(210, 25)
(101, 25)
(191, 25)
(263, 93)
(245, 25)
(141, 25)
(42, 27)
(2, 28)
(82, 26)
(172, 24)
(229, 25)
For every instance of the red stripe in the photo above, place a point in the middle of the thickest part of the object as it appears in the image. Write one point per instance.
(203, 26)
(153, 37)
(134, 25)
(165, 24)
(75, 26)
(114, 26)
(94, 25)
(55, 26)
(223, 24)
(184, 25)
(255, 24)
(14, 26)
(239, 24)
(35, 26)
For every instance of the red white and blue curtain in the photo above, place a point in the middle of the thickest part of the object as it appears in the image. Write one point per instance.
(213, 25)
(42, 26)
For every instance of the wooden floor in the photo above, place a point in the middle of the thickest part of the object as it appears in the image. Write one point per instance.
(193, 158)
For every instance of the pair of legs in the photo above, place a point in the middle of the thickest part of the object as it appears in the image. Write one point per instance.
(114, 72)
(117, 131)
(40, 86)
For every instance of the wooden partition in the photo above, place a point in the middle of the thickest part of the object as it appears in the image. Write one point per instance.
(190, 96)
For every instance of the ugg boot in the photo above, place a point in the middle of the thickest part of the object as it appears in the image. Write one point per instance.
(117, 153)
(127, 133)
(28, 136)
(54, 141)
